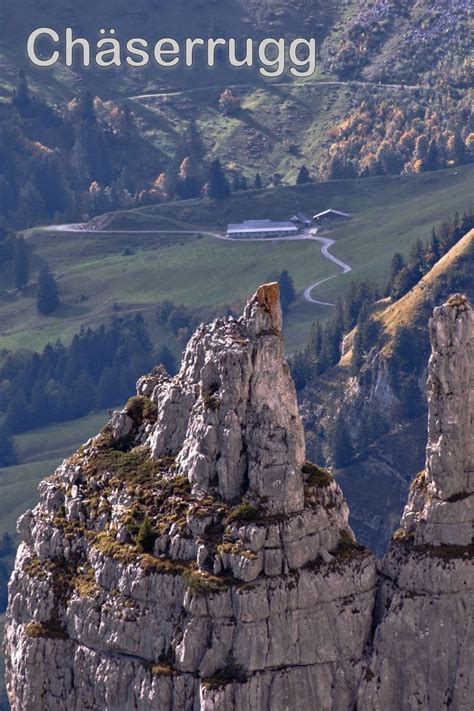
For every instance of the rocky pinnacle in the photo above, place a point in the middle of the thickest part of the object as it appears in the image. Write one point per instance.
(231, 415)
(440, 509)
(422, 654)
(188, 557)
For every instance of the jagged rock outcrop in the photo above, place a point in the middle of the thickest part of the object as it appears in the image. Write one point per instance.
(423, 650)
(440, 507)
(188, 557)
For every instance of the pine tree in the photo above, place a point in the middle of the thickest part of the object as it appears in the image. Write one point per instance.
(340, 442)
(21, 97)
(432, 157)
(435, 247)
(107, 389)
(88, 114)
(315, 340)
(146, 536)
(7, 448)
(83, 395)
(21, 266)
(31, 207)
(47, 297)
(51, 184)
(396, 266)
(358, 350)
(17, 415)
(287, 291)
(194, 143)
(258, 184)
(406, 280)
(303, 176)
(457, 149)
(217, 186)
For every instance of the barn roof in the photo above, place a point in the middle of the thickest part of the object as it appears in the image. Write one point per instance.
(330, 212)
(260, 226)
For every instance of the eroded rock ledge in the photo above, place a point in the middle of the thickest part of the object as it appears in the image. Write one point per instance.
(188, 557)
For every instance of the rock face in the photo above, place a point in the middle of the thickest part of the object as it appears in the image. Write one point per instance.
(423, 649)
(440, 506)
(244, 431)
(188, 557)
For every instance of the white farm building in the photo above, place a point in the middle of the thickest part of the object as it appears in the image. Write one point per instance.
(262, 228)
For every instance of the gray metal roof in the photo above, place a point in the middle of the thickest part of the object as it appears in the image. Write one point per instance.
(260, 226)
(301, 217)
(338, 213)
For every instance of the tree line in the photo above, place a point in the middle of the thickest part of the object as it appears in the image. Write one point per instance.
(409, 352)
(15, 266)
(400, 134)
(86, 158)
(97, 370)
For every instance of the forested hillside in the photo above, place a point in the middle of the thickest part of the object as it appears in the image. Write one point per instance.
(372, 359)
(72, 147)
(405, 41)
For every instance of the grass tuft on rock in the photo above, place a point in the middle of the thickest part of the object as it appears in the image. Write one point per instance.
(45, 630)
(316, 476)
(245, 511)
(141, 408)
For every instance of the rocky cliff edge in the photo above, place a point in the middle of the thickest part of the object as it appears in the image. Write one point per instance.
(188, 556)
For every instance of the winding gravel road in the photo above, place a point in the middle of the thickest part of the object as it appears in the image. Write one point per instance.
(305, 235)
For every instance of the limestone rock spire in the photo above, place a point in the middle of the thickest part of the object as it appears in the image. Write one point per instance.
(231, 414)
(440, 509)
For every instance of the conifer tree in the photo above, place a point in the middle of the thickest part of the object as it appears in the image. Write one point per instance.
(21, 97)
(88, 114)
(432, 157)
(217, 186)
(31, 207)
(258, 184)
(146, 536)
(303, 176)
(340, 442)
(107, 389)
(17, 415)
(287, 290)
(21, 266)
(7, 448)
(435, 247)
(396, 266)
(457, 149)
(47, 297)
(83, 395)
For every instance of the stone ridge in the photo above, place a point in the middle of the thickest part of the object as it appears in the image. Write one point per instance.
(188, 557)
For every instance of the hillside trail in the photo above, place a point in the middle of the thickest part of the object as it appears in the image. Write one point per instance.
(222, 87)
(309, 234)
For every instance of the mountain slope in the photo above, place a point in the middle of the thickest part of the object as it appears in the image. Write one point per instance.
(404, 41)
(388, 214)
(376, 482)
